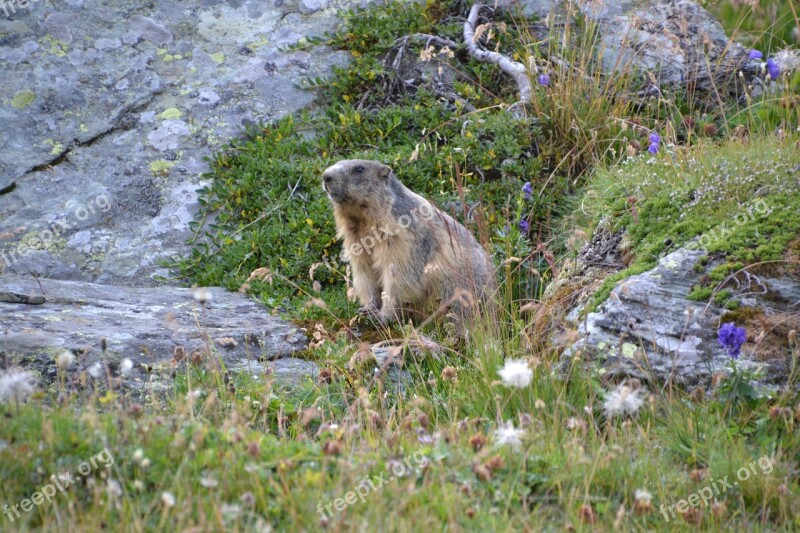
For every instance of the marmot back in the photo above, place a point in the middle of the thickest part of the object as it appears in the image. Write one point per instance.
(408, 258)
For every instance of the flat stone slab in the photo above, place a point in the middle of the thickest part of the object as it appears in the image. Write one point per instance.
(151, 326)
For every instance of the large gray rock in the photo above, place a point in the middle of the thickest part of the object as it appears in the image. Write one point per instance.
(673, 42)
(108, 111)
(152, 326)
(649, 328)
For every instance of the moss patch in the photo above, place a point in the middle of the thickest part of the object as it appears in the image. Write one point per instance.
(739, 202)
(23, 99)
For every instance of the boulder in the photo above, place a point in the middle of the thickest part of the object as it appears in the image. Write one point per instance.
(153, 327)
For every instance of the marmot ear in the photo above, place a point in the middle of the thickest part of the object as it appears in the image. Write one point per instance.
(384, 171)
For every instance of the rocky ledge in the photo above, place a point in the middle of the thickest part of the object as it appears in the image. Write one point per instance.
(649, 328)
(153, 327)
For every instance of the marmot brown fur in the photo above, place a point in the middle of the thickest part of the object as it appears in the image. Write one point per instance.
(408, 258)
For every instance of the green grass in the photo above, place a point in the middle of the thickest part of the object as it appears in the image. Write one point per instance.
(256, 453)
(736, 200)
(244, 452)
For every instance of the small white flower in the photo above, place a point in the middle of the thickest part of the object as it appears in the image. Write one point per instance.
(230, 510)
(168, 499)
(202, 295)
(516, 373)
(641, 495)
(125, 366)
(209, 482)
(623, 401)
(145, 464)
(96, 370)
(138, 455)
(507, 434)
(194, 394)
(65, 359)
(138, 485)
(114, 489)
(17, 385)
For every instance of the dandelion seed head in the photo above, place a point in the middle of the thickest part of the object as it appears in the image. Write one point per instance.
(16, 385)
(507, 434)
(623, 401)
(125, 366)
(168, 499)
(516, 373)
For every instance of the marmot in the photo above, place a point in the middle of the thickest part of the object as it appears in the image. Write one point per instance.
(408, 258)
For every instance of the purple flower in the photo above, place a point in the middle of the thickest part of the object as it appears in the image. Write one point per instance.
(732, 338)
(524, 226)
(653, 148)
(527, 190)
(655, 138)
(773, 69)
(755, 54)
(544, 79)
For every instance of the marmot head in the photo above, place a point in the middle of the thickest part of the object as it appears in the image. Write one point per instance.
(356, 181)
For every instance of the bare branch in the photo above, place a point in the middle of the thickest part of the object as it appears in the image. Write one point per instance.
(513, 68)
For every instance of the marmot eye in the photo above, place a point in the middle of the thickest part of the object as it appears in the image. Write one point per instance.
(359, 169)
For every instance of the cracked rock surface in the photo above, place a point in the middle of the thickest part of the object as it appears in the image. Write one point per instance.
(649, 327)
(157, 326)
(109, 109)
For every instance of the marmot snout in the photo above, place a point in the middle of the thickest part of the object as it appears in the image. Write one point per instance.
(408, 258)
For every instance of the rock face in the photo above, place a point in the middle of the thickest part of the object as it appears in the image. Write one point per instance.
(109, 109)
(666, 41)
(155, 326)
(649, 328)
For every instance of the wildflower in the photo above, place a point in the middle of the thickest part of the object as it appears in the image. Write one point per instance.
(65, 359)
(623, 401)
(732, 338)
(138, 455)
(96, 370)
(755, 54)
(527, 190)
(168, 499)
(424, 438)
(113, 488)
(202, 295)
(544, 79)
(17, 385)
(516, 373)
(125, 366)
(209, 482)
(524, 226)
(477, 441)
(655, 142)
(642, 501)
(450, 373)
(773, 69)
(508, 434)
